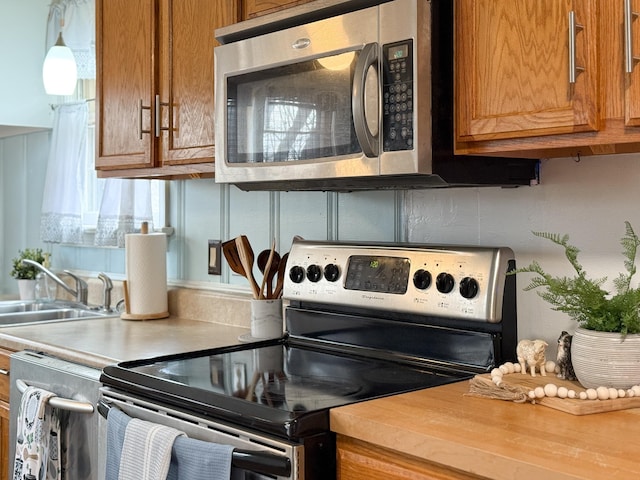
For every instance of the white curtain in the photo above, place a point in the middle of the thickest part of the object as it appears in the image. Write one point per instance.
(125, 205)
(61, 220)
(76, 19)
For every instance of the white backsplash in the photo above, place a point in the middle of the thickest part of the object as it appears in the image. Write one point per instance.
(589, 200)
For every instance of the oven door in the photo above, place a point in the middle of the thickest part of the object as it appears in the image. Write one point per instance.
(256, 457)
(300, 103)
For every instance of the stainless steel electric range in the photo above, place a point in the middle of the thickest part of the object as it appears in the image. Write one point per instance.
(361, 321)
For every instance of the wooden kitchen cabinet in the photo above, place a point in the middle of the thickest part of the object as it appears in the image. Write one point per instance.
(256, 8)
(512, 69)
(155, 98)
(358, 460)
(5, 384)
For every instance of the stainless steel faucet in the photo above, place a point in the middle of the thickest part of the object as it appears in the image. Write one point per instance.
(82, 289)
(107, 285)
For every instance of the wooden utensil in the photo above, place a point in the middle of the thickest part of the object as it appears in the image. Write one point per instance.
(263, 256)
(275, 264)
(246, 258)
(230, 252)
(281, 272)
(268, 261)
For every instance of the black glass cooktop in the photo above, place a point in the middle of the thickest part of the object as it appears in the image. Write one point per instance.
(274, 386)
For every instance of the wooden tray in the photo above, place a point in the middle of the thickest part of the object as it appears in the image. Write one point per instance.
(568, 405)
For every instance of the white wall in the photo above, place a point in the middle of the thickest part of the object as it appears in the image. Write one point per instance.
(23, 101)
(22, 169)
(589, 200)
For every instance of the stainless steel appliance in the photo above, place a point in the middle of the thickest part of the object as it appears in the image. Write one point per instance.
(77, 390)
(345, 96)
(362, 321)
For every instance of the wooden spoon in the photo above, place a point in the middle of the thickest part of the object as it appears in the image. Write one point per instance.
(269, 270)
(246, 258)
(281, 272)
(230, 251)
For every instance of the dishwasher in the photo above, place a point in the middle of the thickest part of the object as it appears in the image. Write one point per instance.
(77, 390)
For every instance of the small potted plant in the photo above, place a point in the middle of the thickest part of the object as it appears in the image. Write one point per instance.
(26, 274)
(606, 345)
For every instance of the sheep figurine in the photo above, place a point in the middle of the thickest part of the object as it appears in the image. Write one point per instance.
(531, 353)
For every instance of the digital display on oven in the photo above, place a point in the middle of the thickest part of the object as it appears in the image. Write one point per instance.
(378, 274)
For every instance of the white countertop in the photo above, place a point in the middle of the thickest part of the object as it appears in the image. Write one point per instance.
(103, 341)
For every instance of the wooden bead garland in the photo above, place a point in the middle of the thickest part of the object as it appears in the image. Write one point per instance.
(552, 390)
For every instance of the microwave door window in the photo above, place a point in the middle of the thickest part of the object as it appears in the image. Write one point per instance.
(291, 113)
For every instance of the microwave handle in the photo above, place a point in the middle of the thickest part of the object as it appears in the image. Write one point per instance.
(368, 141)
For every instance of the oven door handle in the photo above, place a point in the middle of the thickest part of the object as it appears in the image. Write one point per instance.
(254, 461)
(261, 462)
(61, 403)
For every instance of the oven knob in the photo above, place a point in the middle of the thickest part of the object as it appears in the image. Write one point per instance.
(314, 273)
(469, 287)
(422, 279)
(331, 272)
(444, 282)
(297, 274)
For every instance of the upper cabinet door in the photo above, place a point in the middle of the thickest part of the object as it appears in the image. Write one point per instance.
(631, 24)
(126, 70)
(186, 77)
(155, 95)
(525, 68)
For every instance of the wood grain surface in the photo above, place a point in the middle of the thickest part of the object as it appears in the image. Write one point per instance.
(496, 439)
(567, 405)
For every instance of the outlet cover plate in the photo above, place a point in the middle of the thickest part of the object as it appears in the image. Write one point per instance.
(215, 257)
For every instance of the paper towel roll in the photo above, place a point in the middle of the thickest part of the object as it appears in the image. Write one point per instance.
(146, 271)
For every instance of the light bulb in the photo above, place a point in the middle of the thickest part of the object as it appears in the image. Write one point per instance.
(337, 62)
(59, 71)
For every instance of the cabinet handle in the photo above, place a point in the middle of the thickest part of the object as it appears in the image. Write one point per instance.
(159, 126)
(140, 130)
(574, 70)
(629, 17)
(62, 403)
(4, 372)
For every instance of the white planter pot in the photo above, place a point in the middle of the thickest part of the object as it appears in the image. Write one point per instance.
(606, 359)
(27, 289)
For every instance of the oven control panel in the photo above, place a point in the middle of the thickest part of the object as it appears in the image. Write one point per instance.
(444, 281)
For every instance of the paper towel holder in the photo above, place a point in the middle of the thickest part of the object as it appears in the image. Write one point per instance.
(143, 243)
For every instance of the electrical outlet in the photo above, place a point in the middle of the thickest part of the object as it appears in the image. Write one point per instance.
(215, 257)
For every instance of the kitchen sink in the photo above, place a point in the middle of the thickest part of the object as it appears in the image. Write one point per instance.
(17, 313)
(29, 306)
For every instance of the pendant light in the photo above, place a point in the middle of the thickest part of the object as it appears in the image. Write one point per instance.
(59, 71)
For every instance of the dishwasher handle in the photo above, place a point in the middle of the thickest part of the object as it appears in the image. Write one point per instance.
(61, 403)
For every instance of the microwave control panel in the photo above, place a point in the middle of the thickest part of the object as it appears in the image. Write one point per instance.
(397, 98)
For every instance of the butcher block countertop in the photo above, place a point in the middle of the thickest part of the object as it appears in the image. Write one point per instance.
(497, 439)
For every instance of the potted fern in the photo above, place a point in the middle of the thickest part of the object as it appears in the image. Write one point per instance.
(606, 344)
(26, 274)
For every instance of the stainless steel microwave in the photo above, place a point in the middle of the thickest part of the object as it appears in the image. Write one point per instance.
(335, 95)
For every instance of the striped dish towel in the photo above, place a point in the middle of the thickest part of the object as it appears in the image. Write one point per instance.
(146, 451)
